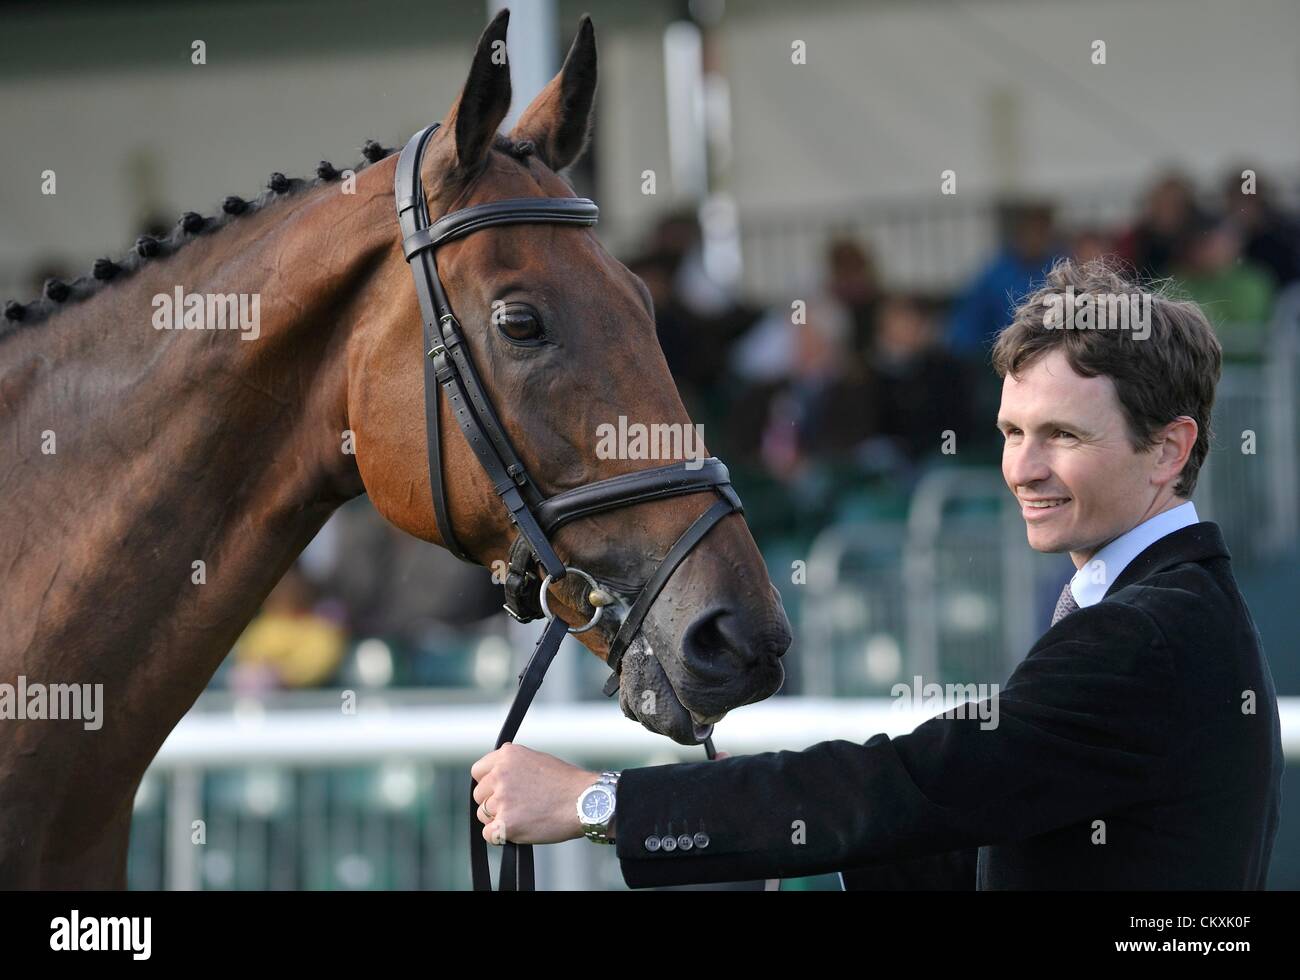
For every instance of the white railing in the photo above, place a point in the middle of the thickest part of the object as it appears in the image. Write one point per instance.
(457, 734)
(385, 736)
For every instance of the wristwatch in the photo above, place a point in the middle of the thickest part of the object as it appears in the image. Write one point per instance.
(596, 808)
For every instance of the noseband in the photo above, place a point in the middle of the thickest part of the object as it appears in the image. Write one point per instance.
(448, 369)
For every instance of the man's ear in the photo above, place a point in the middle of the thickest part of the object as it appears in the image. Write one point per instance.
(483, 102)
(1179, 438)
(559, 119)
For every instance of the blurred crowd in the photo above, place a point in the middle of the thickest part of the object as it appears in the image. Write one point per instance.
(847, 394)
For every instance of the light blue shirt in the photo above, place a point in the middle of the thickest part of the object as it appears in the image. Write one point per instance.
(1090, 582)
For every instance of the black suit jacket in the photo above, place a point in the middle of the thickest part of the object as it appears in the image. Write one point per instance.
(1137, 746)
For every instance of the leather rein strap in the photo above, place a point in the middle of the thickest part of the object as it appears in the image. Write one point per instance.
(449, 372)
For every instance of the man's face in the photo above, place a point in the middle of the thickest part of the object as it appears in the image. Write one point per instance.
(1068, 459)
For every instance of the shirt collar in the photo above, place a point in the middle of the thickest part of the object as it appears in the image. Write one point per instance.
(1090, 582)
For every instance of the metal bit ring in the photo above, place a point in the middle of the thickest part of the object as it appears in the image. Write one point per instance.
(546, 608)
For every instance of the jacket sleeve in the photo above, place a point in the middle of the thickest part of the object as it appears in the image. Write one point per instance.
(1080, 728)
(943, 871)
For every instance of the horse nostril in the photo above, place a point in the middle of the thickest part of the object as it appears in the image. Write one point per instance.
(702, 641)
(717, 645)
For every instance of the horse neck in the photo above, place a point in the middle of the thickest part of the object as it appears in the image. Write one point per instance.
(136, 453)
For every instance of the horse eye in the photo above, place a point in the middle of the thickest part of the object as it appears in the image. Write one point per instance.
(519, 324)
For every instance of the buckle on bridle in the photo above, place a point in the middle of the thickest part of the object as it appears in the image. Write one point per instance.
(437, 349)
(514, 615)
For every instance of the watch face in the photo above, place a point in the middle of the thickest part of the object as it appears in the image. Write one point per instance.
(597, 805)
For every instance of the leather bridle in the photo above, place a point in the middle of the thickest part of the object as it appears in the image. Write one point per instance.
(449, 370)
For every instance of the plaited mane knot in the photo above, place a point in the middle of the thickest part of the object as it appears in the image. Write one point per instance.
(105, 269)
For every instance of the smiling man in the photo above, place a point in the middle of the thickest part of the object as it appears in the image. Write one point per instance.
(1138, 743)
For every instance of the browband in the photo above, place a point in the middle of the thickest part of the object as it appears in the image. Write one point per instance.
(515, 211)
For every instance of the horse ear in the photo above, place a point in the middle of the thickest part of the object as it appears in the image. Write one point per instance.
(485, 99)
(559, 119)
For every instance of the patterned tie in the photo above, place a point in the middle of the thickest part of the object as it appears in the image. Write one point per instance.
(1064, 605)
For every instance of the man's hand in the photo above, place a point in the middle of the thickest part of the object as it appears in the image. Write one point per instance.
(528, 797)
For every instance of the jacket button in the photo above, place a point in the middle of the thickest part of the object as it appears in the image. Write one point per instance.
(652, 843)
(685, 842)
(669, 843)
(701, 839)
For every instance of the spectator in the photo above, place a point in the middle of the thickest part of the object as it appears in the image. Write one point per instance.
(675, 325)
(918, 388)
(1168, 213)
(985, 306)
(805, 393)
(288, 645)
(1090, 243)
(1270, 238)
(696, 320)
(399, 587)
(679, 237)
(852, 279)
(1236, 295)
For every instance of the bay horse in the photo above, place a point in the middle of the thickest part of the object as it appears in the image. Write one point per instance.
(158, 482)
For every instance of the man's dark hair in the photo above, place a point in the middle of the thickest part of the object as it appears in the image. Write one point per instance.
(1170, 372)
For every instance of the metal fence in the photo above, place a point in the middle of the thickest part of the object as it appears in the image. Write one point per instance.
(941, 594)
(1250, 484)
(286, 797)
(382, 826)
(294, 795)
